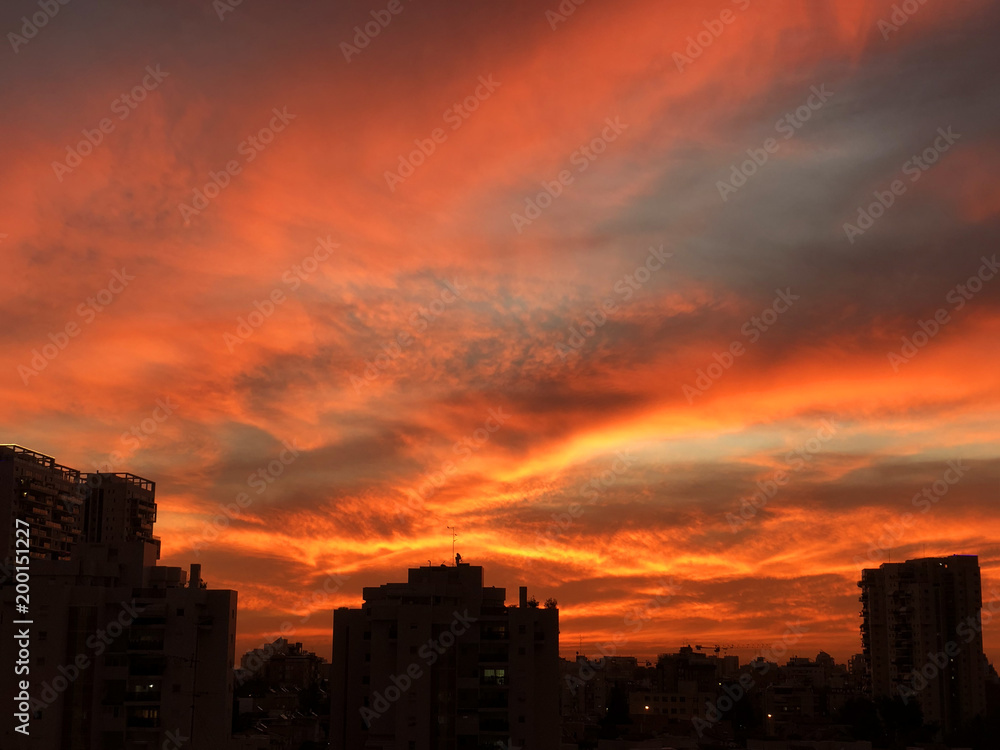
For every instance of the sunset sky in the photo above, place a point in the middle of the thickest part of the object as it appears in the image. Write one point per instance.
(500, 269)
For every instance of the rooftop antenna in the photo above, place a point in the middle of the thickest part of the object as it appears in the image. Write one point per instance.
(454, 536)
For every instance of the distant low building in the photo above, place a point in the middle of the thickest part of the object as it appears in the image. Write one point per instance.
(684, 684)
(283, 664)
(282, 700)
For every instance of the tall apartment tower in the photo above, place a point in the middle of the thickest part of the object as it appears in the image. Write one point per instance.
(119, 508)
(125, 654)
(441, 663)
(922, 636)
(122, 653)
(65, 506)
(47, 495)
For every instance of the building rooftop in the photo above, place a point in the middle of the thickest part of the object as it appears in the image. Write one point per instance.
(48, 462)
(138, 481)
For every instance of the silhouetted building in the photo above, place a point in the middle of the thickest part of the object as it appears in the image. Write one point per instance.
(126, 654)
(796, 702)
(858, 680)
(441, 662)
(788, 704)
(64, 506)
(119, 508)
(282, 700)
(587, 685)
(684, 685)
(922, 636)
(283, 664)
(817, 673)
(46, 495)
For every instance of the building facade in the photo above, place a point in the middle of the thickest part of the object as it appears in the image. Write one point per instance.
(125, 653)
(120, 652)
(282, 664)
(922, 636)
(65, 506)
(442, 663)
(119, 508)
(684, 685)
(47, 495)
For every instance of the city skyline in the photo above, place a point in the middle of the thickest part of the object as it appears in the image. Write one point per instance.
(687, 311)
(439, 659)
(101, 517)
